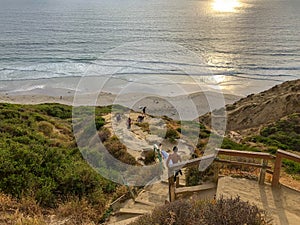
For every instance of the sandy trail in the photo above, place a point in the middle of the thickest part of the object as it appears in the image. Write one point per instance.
(282, 204)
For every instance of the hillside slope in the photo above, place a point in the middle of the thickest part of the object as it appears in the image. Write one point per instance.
(257, 110)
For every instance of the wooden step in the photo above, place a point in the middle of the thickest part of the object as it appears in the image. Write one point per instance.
(132, 211)
(197, 188)
(141, 201)
(124, 222)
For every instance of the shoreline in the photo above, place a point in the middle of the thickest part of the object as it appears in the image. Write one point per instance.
(178, 107)
(174, 97)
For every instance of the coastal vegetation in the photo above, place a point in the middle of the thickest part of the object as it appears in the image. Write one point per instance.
(42, 171)
(283, 134)
(41, 164)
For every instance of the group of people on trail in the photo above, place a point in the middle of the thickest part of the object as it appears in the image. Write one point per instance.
(129, 120)
(171, 159)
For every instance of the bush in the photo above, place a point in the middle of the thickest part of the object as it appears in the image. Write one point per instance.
(149, 157)
(172, 134)
(49, 170)
(229, 144)
(291, 167)
(119, 151)
(104, 134)
(56, 110)
(99, 122)
(284, 134)
(231, 211)
(144, 126)
(193, 176)
(46, 128)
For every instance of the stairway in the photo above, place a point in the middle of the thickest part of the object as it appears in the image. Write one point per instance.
(151, 196)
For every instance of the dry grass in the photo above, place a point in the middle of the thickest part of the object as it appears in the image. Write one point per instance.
(27, 212)
(23, 212)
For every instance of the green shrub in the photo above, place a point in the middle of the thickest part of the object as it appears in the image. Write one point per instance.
(204, 134)
(195, 177)
(172, 134)
(99, 122)
(229, 144)
(56, 110)
(119, 151)
(48, 169)
(46, 128)
(284, 134)
(291, 167)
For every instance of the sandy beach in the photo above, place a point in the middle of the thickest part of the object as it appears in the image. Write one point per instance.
(185, 102)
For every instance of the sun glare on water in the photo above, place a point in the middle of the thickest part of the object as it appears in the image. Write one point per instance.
(225, 5)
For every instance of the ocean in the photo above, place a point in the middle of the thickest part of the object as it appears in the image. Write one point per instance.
(239, 46)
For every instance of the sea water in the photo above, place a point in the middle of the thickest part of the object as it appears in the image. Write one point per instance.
(246, 48)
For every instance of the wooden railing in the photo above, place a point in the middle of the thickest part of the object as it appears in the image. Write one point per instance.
(265, 157)
(279, 156)
(173, 185)
(264, 167)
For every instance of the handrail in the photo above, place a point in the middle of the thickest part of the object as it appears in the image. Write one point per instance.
(191, 162)
(261, 155)
(288, 155)
(218, 151)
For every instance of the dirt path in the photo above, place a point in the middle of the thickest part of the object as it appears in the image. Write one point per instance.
(283, 204)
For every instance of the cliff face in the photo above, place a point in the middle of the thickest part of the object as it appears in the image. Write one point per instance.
(263, 108)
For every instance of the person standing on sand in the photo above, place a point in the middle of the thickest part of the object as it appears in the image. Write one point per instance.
(144, 110)
(173, 159)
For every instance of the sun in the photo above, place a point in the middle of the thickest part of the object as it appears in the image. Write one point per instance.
(225, 5)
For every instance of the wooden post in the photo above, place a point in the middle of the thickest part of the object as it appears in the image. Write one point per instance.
(216, 172)
(177, 181)
(171, 189)
(276, 174)
(262, 174)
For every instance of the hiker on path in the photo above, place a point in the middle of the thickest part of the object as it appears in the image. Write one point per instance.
(128, 123)
(118, 117)
(173, 159)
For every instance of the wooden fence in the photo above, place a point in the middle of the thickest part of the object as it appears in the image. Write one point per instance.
(264, 167)
(279, 156)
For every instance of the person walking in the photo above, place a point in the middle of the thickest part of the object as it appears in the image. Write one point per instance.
(173, 159)
(129, 123)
